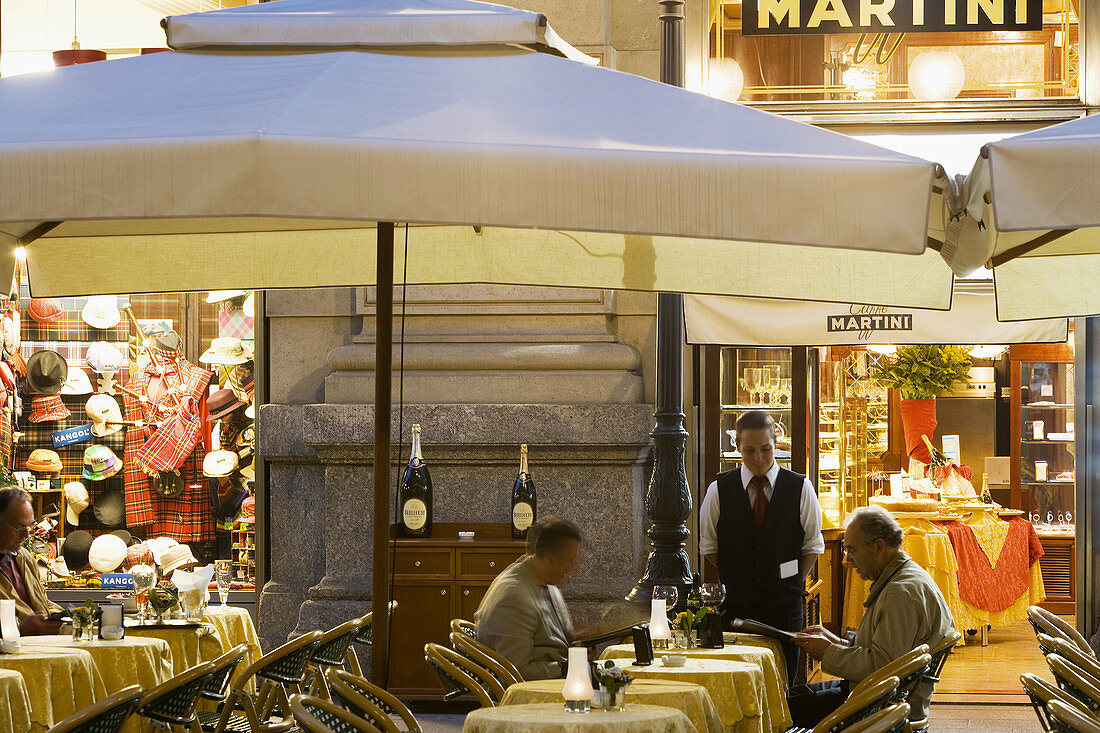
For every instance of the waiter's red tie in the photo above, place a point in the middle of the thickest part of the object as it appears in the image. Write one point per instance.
(760, 506)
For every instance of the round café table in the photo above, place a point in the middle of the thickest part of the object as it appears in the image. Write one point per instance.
(189, 645)
(234, 626)
(552, 718)
(737, 689)
(775, 683)
(15, 703)
(59, 681)
(694, 701)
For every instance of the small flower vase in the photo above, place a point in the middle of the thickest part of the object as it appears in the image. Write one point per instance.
(683, 639)
(78, 630)
(613, 697)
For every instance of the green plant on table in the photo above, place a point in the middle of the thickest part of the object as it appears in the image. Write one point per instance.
(610, 676)
(686, 620)
(923, 371)
(85, 614)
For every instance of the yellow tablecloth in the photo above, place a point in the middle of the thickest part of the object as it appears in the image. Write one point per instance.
(693, 700)
(768, 642)
(15, 704)
(189, 646)
(552, 718)
(59, 682)
(737, 689)
(775, 683)
(234, 626)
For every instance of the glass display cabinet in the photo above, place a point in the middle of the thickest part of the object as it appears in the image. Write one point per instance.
(755, 379)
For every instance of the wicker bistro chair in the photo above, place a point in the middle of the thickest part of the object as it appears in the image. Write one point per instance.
(1076, 681)
(893, 719)
(460, 676)
(174, 702)
(106, 716)
(909, 668)
(939, 654)
(331, 652)
(217, 684)
(348, 689)
(1048, 623)
(316, 715)
(1073, 653)
(462, 626)
(268, 711)
(1042, 693)
(492, 660)
(364, 638)
(1067, 719)
(1046, 642)
(857, 707)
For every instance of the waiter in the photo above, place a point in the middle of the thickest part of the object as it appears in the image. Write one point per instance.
(760, 525)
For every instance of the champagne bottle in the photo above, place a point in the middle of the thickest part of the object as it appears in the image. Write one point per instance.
(524, 500)
(415, 496)
(987, 498)
(938, 459)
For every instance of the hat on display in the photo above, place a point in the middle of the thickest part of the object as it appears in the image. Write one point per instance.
(48, 408)
(219, 463)
(249, 306)
(230, 495)
(248, 511)
(78, 382)
(47, 372)
(223, 402)
(158, 546)
(103, 357)
(106, 553)
(176, 557)
(11, 332)
(110, 508)
(125, 535)
(170, 341)
(75, 550)
(138, 554)
(76, 501)
(227, 351)
(101, 311)
(217, 296)
(105, 414)
(44, 460)
(250, 412)
(248, 471)
(100, 462)
(46, 310)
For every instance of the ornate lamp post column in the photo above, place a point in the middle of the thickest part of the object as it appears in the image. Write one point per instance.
(668, 498)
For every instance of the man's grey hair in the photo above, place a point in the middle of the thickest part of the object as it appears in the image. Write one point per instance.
(875, 523)
(11, 494)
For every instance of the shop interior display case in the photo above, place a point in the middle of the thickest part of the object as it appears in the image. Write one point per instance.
(1043, 469)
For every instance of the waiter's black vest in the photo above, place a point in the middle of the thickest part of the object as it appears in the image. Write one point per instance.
(749, 558)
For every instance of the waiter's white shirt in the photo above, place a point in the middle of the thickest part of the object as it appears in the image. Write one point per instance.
(809, 510)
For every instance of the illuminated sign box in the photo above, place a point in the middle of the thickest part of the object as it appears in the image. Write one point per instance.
(798, 17)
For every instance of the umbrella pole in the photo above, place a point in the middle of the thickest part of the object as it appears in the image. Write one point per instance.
(383, 368)
(668, 499)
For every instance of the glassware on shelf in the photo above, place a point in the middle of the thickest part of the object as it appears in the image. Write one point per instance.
(756, 381)
(785, 390)
(771, 383)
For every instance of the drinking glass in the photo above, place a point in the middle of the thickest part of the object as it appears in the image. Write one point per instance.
(669, 593)
(223, 571)
(144, 578)
(713, 594)
(771, 383)
(756, 379)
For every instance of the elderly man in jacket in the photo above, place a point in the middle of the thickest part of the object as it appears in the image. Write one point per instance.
(19, 579)
(904, 609)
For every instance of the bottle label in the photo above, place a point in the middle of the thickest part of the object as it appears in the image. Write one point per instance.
(522, 515)
(415, 514)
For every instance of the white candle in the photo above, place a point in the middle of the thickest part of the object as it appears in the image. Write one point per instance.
(658, 620)
(9, 625)
(577, 689)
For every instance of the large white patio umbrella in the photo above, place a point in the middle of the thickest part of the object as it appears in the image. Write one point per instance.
(287, 138)
(1032, 214)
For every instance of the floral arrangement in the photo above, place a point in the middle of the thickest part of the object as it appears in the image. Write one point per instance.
(686, 620)
(610, 676)
(87, 613)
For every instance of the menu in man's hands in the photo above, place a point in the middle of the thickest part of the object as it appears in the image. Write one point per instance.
(748, 626)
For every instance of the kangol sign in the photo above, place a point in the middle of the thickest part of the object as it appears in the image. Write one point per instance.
(795, 17)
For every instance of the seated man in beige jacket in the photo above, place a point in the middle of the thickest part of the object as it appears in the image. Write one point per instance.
(523, 615)
(904, 609)
(19, 579)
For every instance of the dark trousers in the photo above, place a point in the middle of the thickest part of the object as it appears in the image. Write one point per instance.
(789, 620)
(812, 703)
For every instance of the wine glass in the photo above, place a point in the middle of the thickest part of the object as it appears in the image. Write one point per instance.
(744, 382)
(223, 571)
(756, 378)
(713, 594)
(144, 578)
(771, 382)
(669, 593)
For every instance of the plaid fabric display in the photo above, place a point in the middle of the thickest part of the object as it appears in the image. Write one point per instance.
(235, 324)
(71, 327)
(38, 435)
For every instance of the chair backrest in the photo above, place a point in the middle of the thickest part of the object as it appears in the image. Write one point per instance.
(891, 719)
(363, 636)
(499, 665)
(343, 683)
(1041, 692)
(334, 644)
(1049, 623)
(1066, 719)
(939, 656)
(105, 716)
(175, 701)
(1046, 642)
(1073, 653)
(323, 716)
(217, 684)
(909, 668)
(462, 626)
(859, 706)
(459, 676)
(284, 665)
(1074, 680)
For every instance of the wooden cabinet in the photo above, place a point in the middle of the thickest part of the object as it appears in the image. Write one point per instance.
(1058, 564)
(435, 580)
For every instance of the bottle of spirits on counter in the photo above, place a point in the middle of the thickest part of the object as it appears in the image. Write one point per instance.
(415, 496)
(524, 499)
(986, 497)
(695, 594)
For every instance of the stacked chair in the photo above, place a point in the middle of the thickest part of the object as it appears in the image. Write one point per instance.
(106, 716)
(462, 626)
(892, 719)
(491, 660)
(1074, 705)
(861, 704)
(369, 701)
(1042, 693)
(364, 639)
(316, 715)
(460, 676)
(1069, 719)
(939, 655)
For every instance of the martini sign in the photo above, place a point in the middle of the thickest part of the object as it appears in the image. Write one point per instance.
(803, 17)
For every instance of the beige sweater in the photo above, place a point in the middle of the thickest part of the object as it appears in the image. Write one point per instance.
(903, 610)
(36, 592)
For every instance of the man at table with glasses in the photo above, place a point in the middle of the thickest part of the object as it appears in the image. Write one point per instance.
(19, 579)
(904, 609)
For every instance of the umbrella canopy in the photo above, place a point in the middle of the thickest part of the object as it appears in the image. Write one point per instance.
(276, 161)
(1030, 210)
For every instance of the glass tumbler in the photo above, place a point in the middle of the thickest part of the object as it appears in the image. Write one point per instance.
(223, 572)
